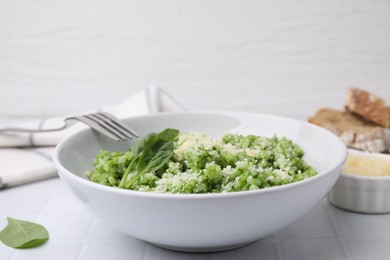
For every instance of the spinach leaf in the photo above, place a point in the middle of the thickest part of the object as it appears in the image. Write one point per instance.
(159, 158)
(151, 153)
(147, 151)
(23, 234)
(138, 149)
(138, 146)
(168, 134)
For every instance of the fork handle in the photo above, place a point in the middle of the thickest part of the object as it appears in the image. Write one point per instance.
(30, 130)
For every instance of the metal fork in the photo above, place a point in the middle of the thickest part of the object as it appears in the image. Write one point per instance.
(101, 122)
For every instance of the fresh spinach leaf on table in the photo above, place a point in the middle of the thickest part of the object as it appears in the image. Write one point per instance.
(23, 234)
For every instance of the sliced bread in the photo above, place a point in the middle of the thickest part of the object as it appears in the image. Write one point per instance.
(352, 130)
(369, 106)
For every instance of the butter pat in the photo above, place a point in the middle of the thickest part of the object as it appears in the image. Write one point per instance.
(367, 164)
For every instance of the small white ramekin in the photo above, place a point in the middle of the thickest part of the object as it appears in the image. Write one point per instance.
(364, 194)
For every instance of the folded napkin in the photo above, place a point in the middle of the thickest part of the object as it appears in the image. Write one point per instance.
(26, 158)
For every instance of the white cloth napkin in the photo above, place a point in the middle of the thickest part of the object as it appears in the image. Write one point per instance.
(26, 158)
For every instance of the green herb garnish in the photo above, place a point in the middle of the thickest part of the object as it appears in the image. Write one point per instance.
(150, 154)
(23, 234)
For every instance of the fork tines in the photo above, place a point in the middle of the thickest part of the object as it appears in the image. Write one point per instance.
(113, 125)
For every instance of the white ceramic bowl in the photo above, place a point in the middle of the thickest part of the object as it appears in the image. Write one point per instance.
(203, 222)
(360, 193)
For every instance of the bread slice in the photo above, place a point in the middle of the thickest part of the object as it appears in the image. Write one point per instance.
(369, 106)
(352, 130)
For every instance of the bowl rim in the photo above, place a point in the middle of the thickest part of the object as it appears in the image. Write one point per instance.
(365, 177)
(182, 196)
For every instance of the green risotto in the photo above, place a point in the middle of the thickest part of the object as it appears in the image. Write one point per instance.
(192, 162)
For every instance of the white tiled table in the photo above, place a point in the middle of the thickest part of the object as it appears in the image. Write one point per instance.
(324, 233)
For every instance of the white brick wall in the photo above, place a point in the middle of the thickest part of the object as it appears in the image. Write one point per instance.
(280, 56)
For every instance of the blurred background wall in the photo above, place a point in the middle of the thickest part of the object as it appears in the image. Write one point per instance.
(276, 56)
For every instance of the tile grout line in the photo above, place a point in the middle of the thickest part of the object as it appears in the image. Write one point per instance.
(145, 251)
(49, 200)
(87, 238)
(338, 229)
(278, 244)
